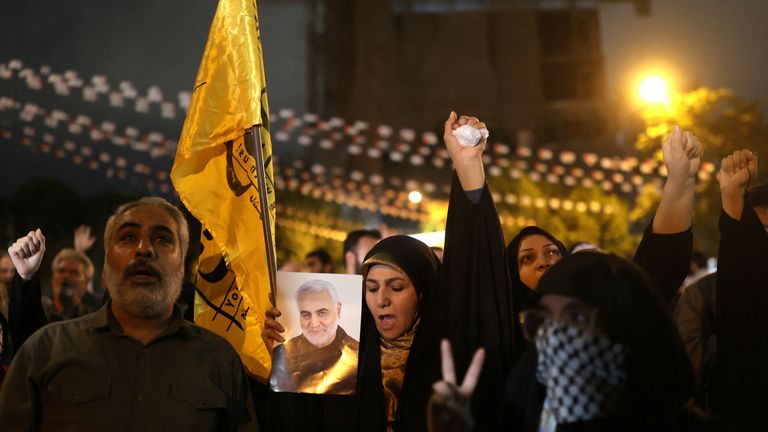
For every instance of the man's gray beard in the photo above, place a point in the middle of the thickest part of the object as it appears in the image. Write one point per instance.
(144, 301)
(326, 339)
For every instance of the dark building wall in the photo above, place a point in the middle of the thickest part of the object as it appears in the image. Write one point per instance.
(517, 68)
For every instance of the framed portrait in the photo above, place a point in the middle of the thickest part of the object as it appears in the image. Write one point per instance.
(321, 315)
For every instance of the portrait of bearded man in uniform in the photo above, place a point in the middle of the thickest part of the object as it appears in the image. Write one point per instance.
(323, 358)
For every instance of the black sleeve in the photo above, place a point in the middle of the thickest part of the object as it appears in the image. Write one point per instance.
(666, 258)
(742, 320)
(25, 309)
(688, 318)
(476, 296)
(524, 395)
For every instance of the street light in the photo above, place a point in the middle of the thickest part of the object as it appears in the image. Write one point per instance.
(414, 197)
(654, 90)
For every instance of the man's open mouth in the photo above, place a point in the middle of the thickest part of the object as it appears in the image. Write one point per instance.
(142, 273)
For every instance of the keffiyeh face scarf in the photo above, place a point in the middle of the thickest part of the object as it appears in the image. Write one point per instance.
(584, 375)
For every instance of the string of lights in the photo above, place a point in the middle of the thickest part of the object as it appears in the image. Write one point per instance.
(120, 150)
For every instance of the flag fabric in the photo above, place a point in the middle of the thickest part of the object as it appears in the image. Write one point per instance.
(215, 175)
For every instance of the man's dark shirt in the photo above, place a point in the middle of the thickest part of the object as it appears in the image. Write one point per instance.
(87, 374)
(299, 366)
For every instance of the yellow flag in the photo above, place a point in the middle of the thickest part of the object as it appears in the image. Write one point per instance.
(215, 175)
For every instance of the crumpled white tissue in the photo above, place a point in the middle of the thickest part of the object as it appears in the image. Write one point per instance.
(469, 136)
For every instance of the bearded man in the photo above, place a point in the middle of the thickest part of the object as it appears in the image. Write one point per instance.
(323, 358)
(72, 272)
(135, 364)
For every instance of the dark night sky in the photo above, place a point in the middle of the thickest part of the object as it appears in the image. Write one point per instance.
(715, 43)
(147, 42)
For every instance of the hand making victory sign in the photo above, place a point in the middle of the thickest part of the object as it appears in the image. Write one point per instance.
(449, 373)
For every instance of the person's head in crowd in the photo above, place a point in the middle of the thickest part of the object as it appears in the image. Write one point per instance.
(583, 246)
(356, 246)
(698, 262)
(72, 272)
(438, 252)
(531, 253)
(758, 200)
(601, 332)
(318, 261)
(6, 269)
(399, 272)
(145, 243)
(319, 311)
(290, 266)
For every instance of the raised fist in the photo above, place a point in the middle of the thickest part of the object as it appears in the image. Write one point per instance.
(737, 169)
(27, 253)
(681, 152)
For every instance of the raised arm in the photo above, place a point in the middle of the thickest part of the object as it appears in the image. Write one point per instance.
(83, 239)
(736, 170)
(665, 249)
(25, 309)
(468, 161)
(475, 278)
(681, 158)
(742, 343)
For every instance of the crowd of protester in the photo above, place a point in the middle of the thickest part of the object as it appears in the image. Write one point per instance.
(479, 335)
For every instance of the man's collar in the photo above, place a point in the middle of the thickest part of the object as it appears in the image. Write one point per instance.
(177, 324)
(101, 317)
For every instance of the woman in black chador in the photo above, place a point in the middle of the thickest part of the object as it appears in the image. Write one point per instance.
(411, 302)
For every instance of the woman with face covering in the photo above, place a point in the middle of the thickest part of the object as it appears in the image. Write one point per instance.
(412, 301)
(607, 354)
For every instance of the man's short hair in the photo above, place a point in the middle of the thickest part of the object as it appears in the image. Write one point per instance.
(699, 258)
(317, 286)
(758, 196)
(321, 254)
(71, 254)
(353, 238)
(156, 202)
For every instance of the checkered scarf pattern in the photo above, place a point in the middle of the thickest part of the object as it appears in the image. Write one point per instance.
(584, 374)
